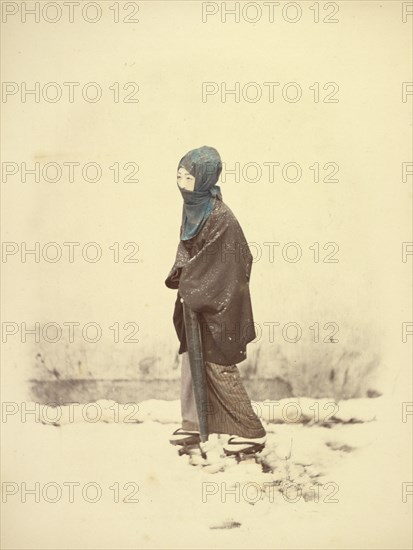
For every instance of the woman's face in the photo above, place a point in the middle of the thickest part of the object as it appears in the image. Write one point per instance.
(185, 180)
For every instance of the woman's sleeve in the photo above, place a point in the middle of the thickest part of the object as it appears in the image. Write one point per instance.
(172, 280)
(181, 258)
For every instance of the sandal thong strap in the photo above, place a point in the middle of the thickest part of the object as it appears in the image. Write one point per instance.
(181, 431)
(232, 442)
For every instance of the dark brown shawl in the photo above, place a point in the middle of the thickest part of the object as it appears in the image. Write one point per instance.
(212, 272)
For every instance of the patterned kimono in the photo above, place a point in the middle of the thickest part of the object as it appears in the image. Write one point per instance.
(212, 272)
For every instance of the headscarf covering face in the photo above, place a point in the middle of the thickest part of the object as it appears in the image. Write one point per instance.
(205, 165)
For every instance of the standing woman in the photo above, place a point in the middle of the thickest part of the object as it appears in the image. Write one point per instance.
(211, 272)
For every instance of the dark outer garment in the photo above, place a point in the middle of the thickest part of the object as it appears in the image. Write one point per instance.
(212, 272)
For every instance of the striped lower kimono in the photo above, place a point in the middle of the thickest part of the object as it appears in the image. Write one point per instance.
(229, 409)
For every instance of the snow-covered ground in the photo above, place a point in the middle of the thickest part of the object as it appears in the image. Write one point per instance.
(334, 481)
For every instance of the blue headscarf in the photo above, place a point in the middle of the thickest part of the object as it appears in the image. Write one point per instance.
(205, 165)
